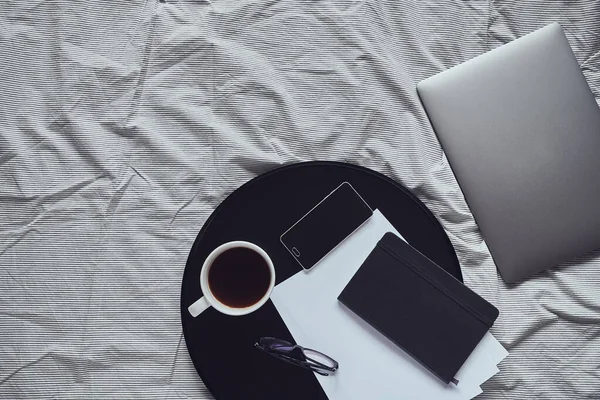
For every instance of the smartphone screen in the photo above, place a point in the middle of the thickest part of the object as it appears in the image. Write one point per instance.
(326, 225)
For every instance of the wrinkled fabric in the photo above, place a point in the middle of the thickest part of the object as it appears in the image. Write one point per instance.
(123, 124)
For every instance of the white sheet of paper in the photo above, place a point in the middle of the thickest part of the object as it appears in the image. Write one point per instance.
(482, 363)
(371, 366)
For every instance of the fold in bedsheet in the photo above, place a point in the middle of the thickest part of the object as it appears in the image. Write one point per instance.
(124, 124)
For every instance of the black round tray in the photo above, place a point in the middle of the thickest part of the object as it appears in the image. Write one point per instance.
(221, 346)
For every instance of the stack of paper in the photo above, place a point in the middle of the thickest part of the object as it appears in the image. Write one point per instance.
(371, 366)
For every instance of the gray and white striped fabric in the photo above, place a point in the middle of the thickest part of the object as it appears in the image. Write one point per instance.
(124, 123)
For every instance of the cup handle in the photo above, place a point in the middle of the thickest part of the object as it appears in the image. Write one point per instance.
(199, 305)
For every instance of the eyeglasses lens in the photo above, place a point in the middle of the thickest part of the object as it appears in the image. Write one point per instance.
(276, 344)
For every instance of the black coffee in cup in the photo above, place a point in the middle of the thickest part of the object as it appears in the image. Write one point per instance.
(239, 277)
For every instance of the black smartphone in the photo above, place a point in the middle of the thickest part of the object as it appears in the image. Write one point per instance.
(326, 225)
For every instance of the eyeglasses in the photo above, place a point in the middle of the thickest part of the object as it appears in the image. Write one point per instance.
(298, 355)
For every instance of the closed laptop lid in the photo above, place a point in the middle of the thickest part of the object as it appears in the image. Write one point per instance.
(521, 130)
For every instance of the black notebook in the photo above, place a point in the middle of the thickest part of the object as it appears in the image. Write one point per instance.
(418, 306)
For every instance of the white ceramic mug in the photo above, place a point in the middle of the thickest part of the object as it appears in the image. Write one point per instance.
(209, 298)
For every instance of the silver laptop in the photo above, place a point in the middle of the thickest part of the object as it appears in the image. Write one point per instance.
(521, 130)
